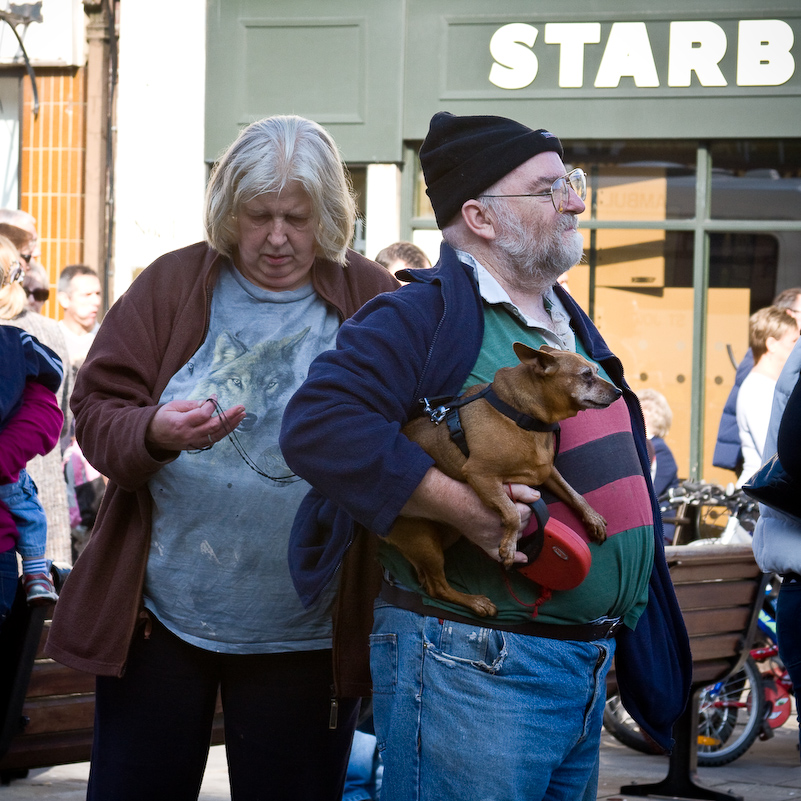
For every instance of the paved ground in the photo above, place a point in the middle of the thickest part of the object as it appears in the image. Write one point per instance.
(769, 771)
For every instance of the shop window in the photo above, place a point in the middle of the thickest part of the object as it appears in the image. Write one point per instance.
(637, 180)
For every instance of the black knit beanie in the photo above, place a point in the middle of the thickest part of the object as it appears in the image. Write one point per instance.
(462, 156)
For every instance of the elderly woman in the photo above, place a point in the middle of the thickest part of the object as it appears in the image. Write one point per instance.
(183, 590)
(658, 418)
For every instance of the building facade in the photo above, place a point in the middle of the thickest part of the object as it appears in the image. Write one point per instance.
(685, 116)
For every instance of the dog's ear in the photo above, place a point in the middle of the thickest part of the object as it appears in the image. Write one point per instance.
(541, 359)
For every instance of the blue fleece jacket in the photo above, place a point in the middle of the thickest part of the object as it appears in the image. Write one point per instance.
(342, 433)
(728, 452)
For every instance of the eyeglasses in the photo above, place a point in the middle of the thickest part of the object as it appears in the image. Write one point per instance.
(26, 257)
(40, 295)
(560, 189)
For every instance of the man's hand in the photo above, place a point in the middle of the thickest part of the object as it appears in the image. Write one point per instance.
(186, 425)
(454, 503)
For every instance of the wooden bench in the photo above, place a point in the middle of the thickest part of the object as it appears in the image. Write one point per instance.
(46, 709)
(720, 590)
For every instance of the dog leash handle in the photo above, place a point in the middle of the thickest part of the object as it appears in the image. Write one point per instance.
(531, 544)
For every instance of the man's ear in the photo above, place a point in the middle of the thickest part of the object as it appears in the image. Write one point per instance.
(63, 299)
(478, 220)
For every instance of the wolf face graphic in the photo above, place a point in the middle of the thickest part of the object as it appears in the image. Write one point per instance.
(260, 378)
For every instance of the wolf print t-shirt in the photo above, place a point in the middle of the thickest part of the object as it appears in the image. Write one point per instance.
(598, 458)
(217, 573)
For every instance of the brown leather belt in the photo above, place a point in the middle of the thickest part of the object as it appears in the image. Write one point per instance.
(583, 632)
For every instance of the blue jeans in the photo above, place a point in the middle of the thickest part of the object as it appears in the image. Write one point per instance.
(788, 633)
(363, 780)
(9, 578)
(485, 715)
(29, 516)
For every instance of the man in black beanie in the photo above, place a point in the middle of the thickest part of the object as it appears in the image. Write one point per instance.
(507, 706)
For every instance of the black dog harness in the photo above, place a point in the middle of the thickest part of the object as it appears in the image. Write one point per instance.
(447, 410)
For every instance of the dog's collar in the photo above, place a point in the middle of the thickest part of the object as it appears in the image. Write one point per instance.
(447, 410)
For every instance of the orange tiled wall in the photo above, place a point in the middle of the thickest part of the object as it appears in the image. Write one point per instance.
(52, 168)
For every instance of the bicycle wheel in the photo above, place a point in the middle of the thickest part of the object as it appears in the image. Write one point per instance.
(624, 729)
(729, 719)
(730, 716)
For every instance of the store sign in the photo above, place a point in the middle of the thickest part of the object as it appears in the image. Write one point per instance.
(763, 54)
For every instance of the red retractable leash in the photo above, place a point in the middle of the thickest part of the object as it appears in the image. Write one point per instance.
(558, 557)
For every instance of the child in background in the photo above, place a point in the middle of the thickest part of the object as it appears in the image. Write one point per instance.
(30, 423)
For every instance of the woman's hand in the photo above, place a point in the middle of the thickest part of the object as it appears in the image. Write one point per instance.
(187, 425)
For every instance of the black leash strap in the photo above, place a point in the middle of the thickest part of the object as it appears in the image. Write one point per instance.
(443, 409)
(291, 478)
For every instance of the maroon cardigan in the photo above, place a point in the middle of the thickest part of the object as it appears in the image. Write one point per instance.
(145, 338)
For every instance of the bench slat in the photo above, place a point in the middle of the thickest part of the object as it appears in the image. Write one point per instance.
(51, 678)
(705, 571)
(716, 595)
(716, 646)
(711, 621)
(59, 713)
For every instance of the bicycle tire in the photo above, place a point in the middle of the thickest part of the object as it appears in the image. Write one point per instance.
(732, 716)
(624, 729)
(719, 719)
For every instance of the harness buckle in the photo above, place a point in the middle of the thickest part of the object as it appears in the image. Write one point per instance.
(435, 413)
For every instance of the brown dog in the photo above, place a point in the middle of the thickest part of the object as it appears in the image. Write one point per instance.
(549, 385)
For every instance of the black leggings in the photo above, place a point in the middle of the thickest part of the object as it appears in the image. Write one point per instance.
(153, 725)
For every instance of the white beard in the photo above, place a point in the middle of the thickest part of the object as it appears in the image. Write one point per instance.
(534, 258)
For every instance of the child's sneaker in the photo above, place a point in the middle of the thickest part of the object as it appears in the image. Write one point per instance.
(39, 589)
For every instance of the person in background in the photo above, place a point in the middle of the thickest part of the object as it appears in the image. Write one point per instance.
(23, 240)
(45, 470)
(664, 471)
(30, 423)
(185, 578)
(772, 333)
(23, 219)
(402, 256)
(465, 706)
(728, 453)
(777, 536)
(37, 288)
(79, 295)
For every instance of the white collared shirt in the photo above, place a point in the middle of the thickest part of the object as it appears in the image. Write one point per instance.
(559, 335)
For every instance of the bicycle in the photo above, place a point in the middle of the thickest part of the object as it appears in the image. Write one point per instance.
(709, 514)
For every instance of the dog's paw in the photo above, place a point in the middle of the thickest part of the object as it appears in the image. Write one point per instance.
(507, 556)
(596, 528)
(481, 605)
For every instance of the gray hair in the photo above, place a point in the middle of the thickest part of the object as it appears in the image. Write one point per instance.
(266, 157)
(656, 411)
